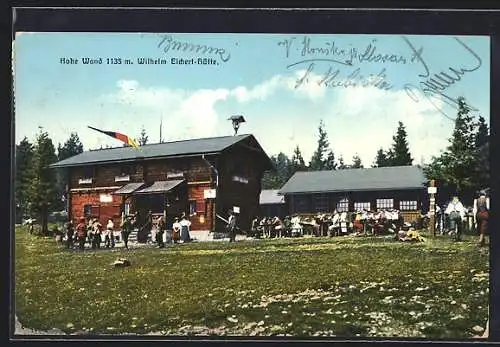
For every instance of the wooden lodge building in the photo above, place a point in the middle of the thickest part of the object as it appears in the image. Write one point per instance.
(199, 177)
(401, 187)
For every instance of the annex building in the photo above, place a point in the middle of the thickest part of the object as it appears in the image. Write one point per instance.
(403, 188)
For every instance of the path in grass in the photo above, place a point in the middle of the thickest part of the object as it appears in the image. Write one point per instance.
(300, 287)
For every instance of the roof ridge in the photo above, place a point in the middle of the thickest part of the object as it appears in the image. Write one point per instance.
(176, 141)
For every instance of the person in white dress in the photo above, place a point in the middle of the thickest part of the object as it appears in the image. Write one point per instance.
(185, 226)
(456, 214)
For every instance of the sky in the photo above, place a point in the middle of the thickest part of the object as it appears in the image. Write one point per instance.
(360, 86)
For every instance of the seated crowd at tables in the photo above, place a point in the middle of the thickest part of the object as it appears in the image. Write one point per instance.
(328, 224)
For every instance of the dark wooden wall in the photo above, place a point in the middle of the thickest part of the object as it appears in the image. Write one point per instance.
(247, 163)
(307, 203)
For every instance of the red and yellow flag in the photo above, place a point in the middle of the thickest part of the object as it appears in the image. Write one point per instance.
(124, 138)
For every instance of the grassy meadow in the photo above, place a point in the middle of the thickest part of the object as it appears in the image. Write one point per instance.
(342, 286)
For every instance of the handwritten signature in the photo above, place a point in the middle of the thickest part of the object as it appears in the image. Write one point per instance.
(432, 85)
(332, 78)
(168, 43)
(341, 55)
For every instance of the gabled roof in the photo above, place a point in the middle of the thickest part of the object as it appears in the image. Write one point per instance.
(383, 178)
(212, 145)
(271, 196)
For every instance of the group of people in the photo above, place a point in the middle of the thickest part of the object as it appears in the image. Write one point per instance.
(335, 224)
(91, 231)
(450, 219)
(455, 213)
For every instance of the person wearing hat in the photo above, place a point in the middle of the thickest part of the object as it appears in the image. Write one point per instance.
(480, 212)
(456, 214)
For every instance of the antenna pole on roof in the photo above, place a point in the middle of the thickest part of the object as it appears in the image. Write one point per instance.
(236, 120)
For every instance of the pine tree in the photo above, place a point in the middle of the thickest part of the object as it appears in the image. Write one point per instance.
(356, 162)
(330, 163)
(381, 160)
(276, 179)
(24, 175)
(143, 139)
(481, 143)
(454, 168)
(297, 161)
(71, 147)
(341, 165)
(481, 137)
(43, 189)
(400, 153)
(318, 160)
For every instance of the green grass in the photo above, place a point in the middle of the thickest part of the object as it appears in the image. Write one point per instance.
(346, 287)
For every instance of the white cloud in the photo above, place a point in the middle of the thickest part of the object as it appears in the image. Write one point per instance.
(358, 120)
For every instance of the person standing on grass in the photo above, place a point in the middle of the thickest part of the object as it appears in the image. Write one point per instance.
(126, 230)
(161, 230)
(456, 212)
(70, 232)
(185, 225)
(96, 234)
(231, 226)
(81, 233)
(109, 240)
(176, 230)
(480, 213)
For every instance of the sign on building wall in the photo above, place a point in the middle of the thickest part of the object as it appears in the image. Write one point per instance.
(105, 198)
(240, 179)
(175, 175)
(85, 181)
(209, 194)
(123, 178)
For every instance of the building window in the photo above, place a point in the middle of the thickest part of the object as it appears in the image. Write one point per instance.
(192, 207)
(126, 170)
(89, 171)
(301, 204)
(320, 202)
(408, 205)
(384, 204)
(200, 206)
(343, 205)
(362, 206)
(87, 211)
(91, 211)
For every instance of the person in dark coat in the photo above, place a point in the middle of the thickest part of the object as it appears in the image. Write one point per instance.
(126, 230)
(160, 232)
(231, 226)
(70, 233)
